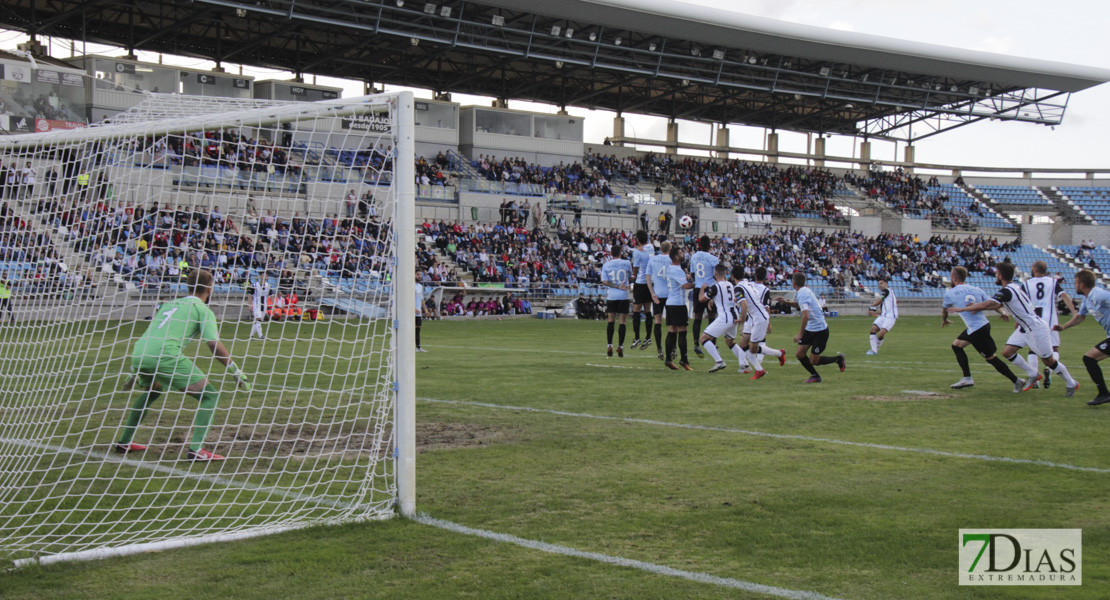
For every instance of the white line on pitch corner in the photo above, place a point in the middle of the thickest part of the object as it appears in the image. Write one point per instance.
(441, 524)
(781, 436)
(615, 366)
(653, 568)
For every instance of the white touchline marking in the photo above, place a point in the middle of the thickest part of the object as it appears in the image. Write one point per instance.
(445, 525)
(728, 582)
(781, 436)
(614, 366)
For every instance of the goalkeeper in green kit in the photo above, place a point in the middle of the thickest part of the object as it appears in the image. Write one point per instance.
(157, 362)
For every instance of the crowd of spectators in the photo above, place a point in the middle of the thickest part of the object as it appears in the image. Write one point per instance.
(914, 197)
(572, 179)
(759, 188)
(479, 306)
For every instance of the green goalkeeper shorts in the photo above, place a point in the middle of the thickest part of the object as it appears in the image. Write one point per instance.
(175, 372)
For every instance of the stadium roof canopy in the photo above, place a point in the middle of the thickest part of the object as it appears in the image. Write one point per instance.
(654, 57)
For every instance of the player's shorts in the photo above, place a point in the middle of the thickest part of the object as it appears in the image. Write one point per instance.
(175, 372)
(5, 302)
(259, 314)
(1037, 339)
(616, 306)
(641, 294)
(419, 319)
(677, 316)
(816, 340)
(657, 308)
(700, 307)
(981, 340)
(1103, 346)
(721, 327)
(885, 322)
(757, 329)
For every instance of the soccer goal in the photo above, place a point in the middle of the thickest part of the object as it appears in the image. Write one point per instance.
(303, 215)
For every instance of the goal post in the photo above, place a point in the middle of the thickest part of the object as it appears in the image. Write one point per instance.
(304, 215)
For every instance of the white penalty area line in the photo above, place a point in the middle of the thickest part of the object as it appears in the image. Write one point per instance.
(421, 518)
(780, 436)
(736, 584)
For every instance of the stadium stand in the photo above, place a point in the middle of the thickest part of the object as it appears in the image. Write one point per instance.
(1094, 201)
(1012, 194)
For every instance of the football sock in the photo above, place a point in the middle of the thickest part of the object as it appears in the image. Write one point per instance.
(671, 338)
(636, 325)
(1033, 359)
(753, 360)
(658, 336)
(647, 321)
(809, 366)
(874, 343)
(711, 347)
(1020, 363)
(881, 340)
(758, 361)
(697, 331)
(609, 331)
(256, 329)
(1056, 355)
(682, 346)
(1063, 372)
(739, 354)
(765, 349)
(961, 358)
(138, 410)
(1096, 375)
(1001, 366)
(620, 334)
(826, 360)
(208, 399)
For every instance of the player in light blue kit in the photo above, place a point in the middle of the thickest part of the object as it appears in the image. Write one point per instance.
(814, 334)
(702, 264)
(642, 252)
(1096, 302)
(978, 332)
(616, 274)
(657, 285)
(677, 282)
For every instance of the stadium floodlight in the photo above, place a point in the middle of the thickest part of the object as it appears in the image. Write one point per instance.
(825, 71)
(558, 64)
(593, 36)
(752, 60)
(652, 47)
(695, 51)
(719, 54)
(414, 41)
(322, 432)
(973, 90)
(617, 41)
(569, 33)
(445, 12)
(953, 89)
(430, 8)
(498, 21)
(864, 78)
(555, 30)
(400, 3)
(685, 82)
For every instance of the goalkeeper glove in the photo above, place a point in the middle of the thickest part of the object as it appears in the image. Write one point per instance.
(130, 382)
(240, 376)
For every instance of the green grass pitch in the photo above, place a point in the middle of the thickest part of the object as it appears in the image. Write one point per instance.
(682, 476)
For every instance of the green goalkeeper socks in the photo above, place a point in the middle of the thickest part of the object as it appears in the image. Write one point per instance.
(136, 413)
(208, 400)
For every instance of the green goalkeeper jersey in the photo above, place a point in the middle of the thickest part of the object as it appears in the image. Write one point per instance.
(176, 324)
(4, 291)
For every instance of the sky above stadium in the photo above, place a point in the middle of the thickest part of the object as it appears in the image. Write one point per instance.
(1069, 31)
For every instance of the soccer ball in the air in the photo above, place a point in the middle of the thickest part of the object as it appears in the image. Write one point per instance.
(685, 221)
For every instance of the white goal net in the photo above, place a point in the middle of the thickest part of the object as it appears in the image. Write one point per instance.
(121, 426)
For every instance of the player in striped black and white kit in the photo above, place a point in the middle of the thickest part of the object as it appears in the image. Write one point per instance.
(1031, 330)
(1044, 291)
(753, 299)
(887, 314)
(723, 296)
(260, 291)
